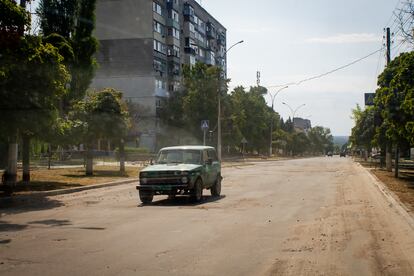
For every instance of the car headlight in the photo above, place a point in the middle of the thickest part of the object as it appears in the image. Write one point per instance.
(184, 180)
(143, 181)
(144, 174)
(184, 173)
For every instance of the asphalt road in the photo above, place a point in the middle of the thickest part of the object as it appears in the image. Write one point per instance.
(321, 216)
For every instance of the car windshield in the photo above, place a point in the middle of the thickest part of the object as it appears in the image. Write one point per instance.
(179, 157)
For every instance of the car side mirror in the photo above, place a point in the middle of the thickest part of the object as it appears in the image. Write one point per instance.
(151, 162)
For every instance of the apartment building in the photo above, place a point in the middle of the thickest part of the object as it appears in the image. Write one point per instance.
(301, 124)
(143, 47)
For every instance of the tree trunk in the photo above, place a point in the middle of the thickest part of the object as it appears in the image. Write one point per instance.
(26, 158)
(89, 160)
(122, 156)
(10, 175)
(388, 157)
(397, 157)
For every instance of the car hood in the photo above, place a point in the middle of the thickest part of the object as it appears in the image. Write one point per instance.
(171, 167)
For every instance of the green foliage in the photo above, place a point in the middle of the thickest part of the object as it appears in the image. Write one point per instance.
(58, 16)
(13, 19)
(31, 84)
(395, 98)
(321, 140)
(364, 130)
(102, 115)
(252, 117)
(84, 47)
(69, 25)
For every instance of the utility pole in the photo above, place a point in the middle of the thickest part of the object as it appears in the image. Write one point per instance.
(258, 78)
(388, 151)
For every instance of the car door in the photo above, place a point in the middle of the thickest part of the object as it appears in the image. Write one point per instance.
(214, 169)
(206, 170)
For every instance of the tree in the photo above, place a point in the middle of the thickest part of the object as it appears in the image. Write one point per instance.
(321, 140)
(364, 130)
(395, 95)
(28, 107)
(197, 101)
(251, 117)
(102, 115)
(394, 98)
(69, 25)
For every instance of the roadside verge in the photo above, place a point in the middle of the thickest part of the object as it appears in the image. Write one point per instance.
(391, 197)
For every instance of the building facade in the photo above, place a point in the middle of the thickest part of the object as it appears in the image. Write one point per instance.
(143, 47)
(301, 124)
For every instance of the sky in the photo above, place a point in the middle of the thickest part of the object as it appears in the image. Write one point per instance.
(291, 40)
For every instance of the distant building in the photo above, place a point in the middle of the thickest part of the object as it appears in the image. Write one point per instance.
(143, 47)
(302, 124)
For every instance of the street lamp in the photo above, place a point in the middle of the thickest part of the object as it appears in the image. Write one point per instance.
(272, 97)
(219, 106)
(294, 111)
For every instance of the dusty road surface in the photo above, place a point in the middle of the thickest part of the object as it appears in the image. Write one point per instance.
(322, 216)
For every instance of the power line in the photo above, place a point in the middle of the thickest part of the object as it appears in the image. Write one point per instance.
(393, 14)
(329, 72)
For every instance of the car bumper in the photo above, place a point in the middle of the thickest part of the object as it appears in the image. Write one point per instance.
(156, 188)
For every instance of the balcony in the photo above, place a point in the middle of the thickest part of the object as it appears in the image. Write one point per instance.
(171, 4)
(211, 31)
(188, 13)
(221, 40)
(172, 23)
(189, 50)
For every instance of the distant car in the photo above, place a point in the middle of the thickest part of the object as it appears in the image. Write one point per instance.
(181, 170)
(342, 154)
(329, 154)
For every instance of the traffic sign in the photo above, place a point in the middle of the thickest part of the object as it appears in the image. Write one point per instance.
(205, 124)
(369, 99)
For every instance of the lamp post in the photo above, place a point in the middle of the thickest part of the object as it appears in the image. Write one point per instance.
(272, 97)
(219, 106)
(293, 111)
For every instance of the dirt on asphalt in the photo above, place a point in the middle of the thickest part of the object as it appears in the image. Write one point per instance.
(321, 216)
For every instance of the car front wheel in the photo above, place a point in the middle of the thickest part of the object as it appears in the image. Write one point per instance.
(197, 194)
(146, 197)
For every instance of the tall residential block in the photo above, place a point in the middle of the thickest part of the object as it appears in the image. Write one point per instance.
(143, 46)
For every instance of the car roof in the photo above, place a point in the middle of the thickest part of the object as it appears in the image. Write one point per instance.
(188, 148)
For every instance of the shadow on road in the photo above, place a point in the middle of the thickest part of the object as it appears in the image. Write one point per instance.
(15, 205)
(183, 201)
(11, 227)
(52, 222)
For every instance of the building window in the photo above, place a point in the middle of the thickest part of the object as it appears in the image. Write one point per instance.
(174, 32)
(174, 16)
(159, 84)
(192, 60)
(160, 47)
(158, 27)
(156, 8)
(192, 28)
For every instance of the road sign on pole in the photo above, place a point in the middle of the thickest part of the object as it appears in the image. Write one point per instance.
(204, 124)
(204, 127)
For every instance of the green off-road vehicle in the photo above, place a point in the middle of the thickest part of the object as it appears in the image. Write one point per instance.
(181, 170)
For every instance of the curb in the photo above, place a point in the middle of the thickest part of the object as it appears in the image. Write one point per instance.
(67, 191)
(391, 197)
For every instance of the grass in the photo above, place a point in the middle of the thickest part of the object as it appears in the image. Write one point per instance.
(54, 179)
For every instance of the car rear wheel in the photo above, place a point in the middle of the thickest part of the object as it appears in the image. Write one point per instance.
(216, 189)
(146, 197)
(197, 194)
